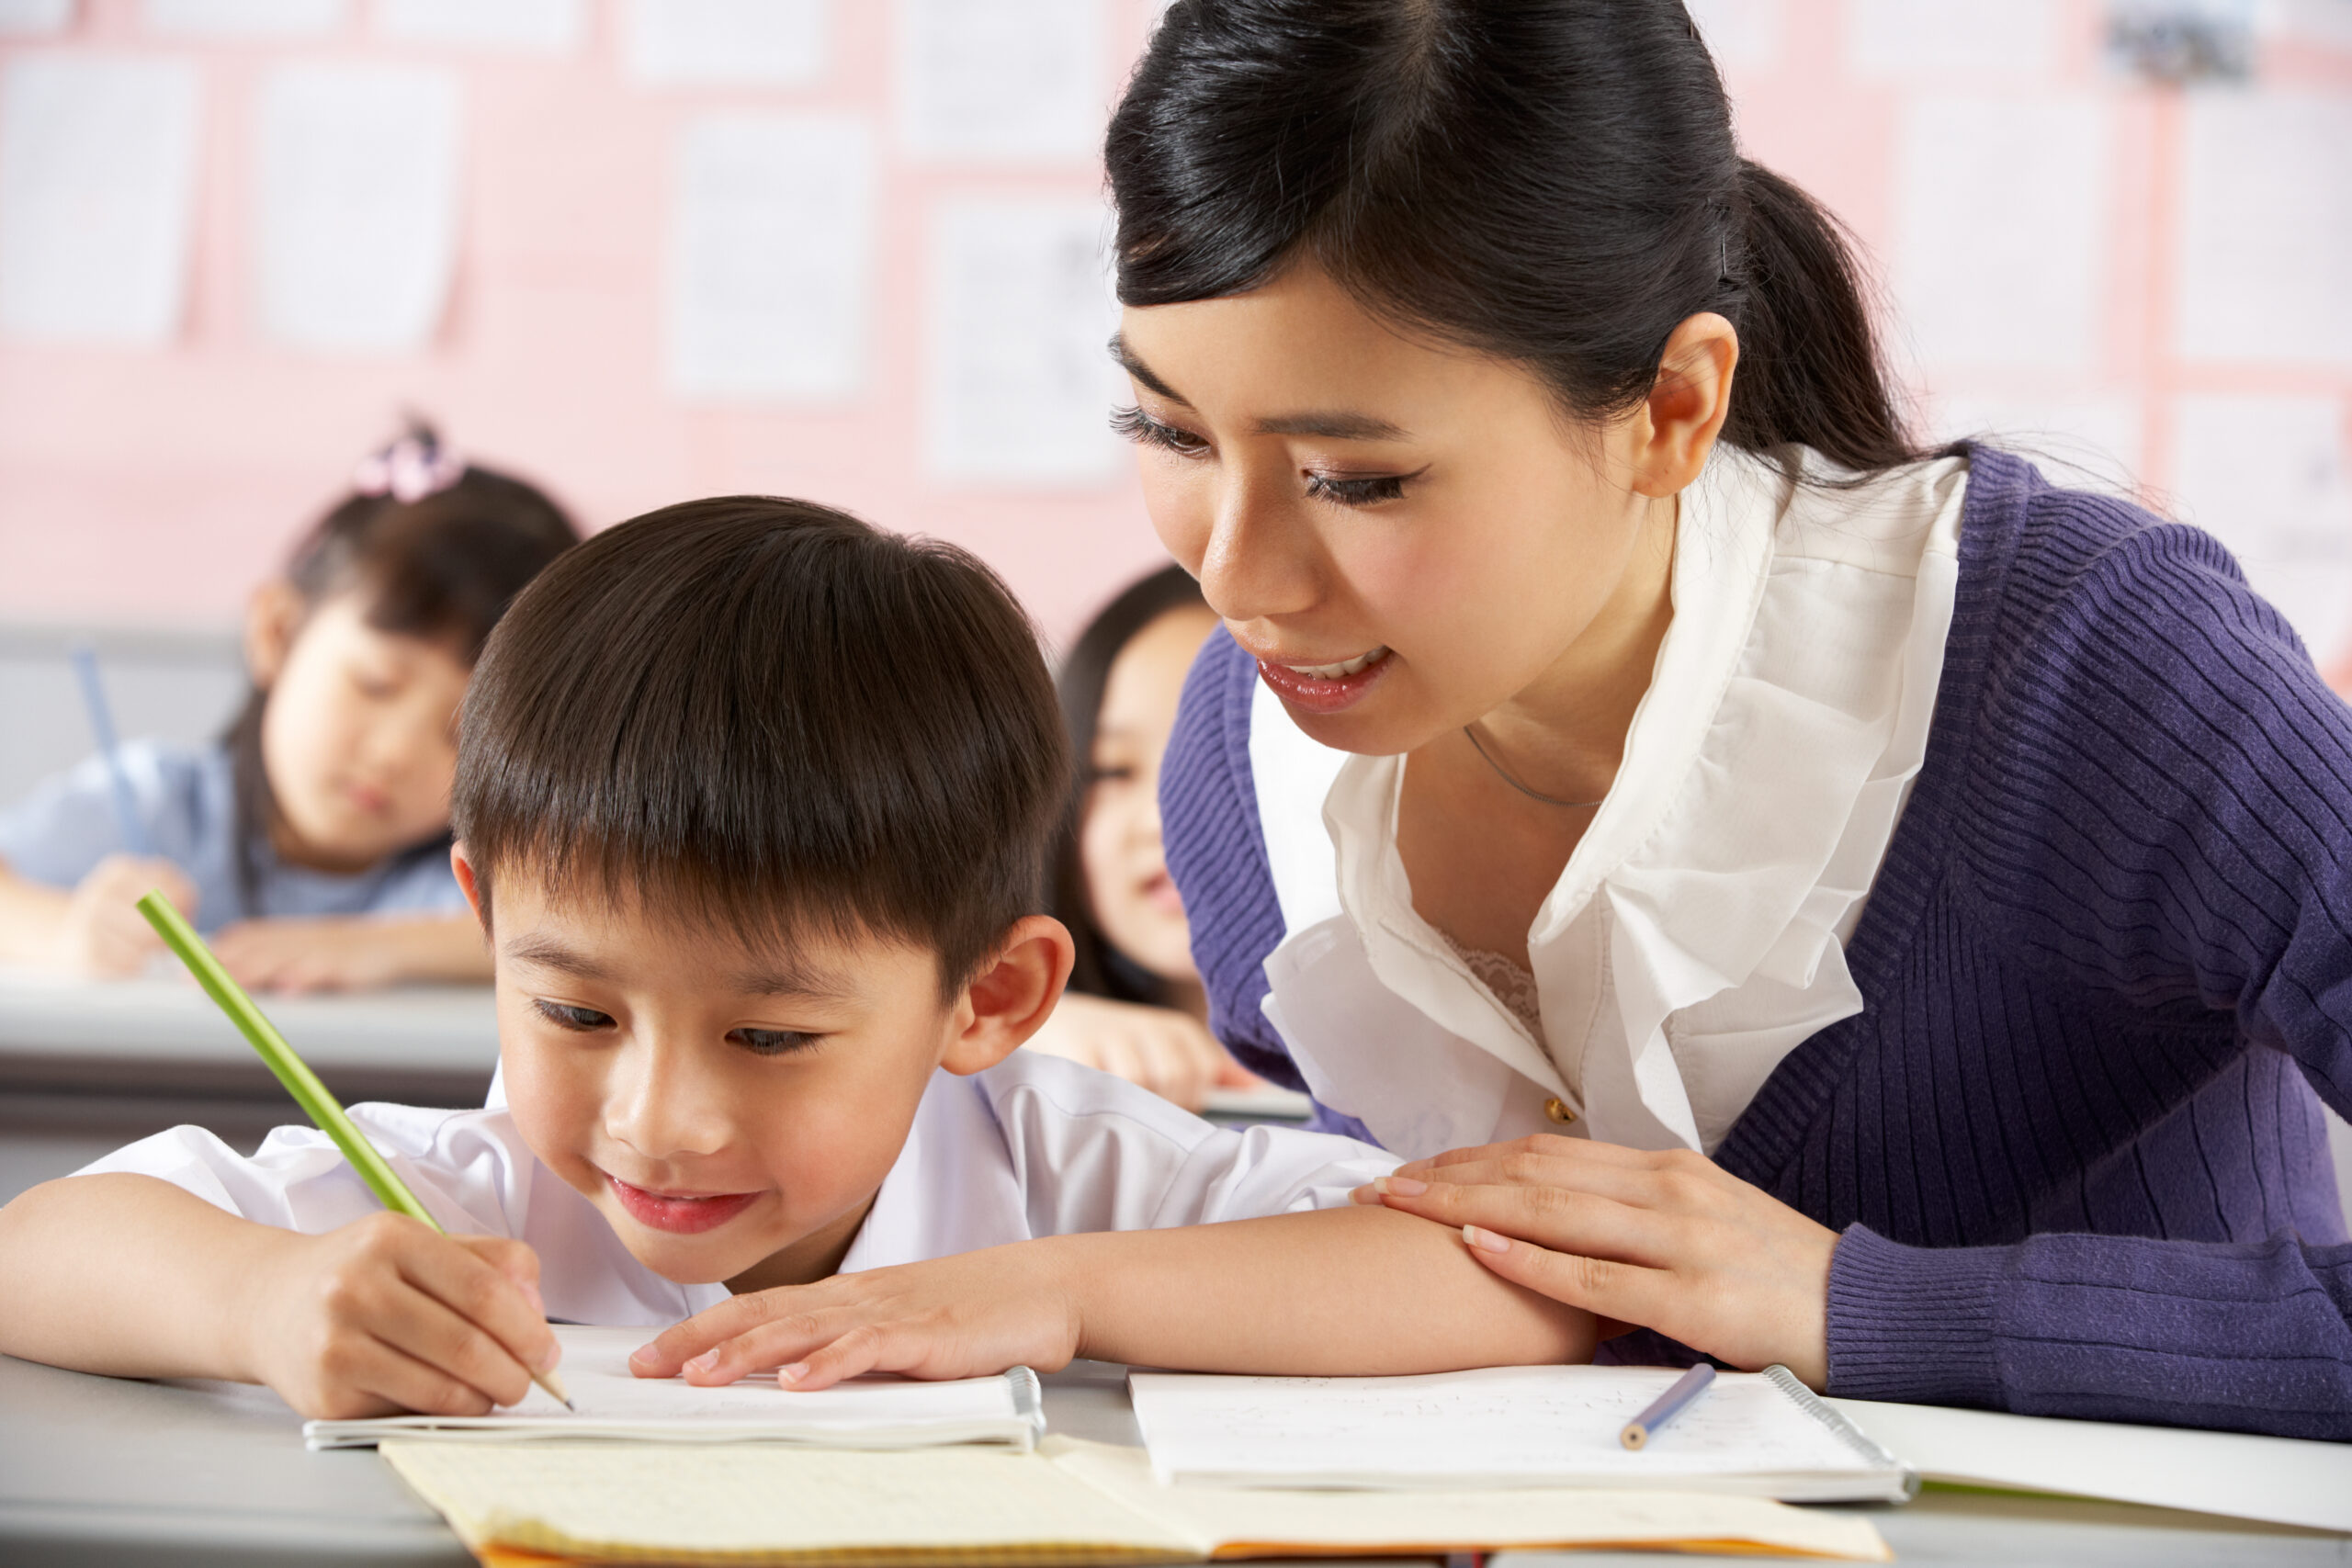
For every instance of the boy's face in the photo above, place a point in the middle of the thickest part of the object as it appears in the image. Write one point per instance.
(730, 1109)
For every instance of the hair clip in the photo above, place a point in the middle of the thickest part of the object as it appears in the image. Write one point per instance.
(409, 469)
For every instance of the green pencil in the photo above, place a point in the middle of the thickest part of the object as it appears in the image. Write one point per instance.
(296, 1075)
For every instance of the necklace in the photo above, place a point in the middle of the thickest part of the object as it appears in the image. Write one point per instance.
(1531, 794)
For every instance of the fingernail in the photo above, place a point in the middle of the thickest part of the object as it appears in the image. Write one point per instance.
(644, 1356)
(1402, 1186)
(550, 1357)
(531, 1294)
(1367, 1194)
(792, 1373)
(706, 1362)
(1484, 1240)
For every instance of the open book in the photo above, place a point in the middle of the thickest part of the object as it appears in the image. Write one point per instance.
(1764, 1433)
(610, 1401)
(1069, 1502)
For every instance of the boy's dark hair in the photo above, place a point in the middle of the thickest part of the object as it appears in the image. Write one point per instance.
(442, 567)
(767, 715)
(1102, 970)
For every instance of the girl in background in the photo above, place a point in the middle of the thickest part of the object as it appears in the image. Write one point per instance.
(311, 843)
(1134, 1006)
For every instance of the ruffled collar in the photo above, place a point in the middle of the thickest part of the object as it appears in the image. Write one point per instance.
(1695, 936)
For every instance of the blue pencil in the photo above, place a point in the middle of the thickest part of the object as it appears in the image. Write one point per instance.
(93, 698)
(1667, 1405)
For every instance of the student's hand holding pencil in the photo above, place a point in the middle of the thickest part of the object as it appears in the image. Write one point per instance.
(388, 1314)
(103, 934)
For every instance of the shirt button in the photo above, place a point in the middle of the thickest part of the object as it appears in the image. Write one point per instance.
(1557, 1110)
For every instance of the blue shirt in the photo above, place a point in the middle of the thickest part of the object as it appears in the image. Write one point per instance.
(186, 799)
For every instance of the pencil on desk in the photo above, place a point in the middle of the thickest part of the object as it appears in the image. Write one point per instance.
(313, 1096)
(1667, 1405)
(94, 699)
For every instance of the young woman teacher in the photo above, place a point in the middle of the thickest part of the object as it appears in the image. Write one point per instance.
(1807, 898)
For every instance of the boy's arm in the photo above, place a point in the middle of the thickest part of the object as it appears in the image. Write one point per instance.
(132, 1276)
(349, 953)
(1337, 1291)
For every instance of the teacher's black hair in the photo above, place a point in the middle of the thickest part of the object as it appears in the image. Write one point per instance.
(1553, 182)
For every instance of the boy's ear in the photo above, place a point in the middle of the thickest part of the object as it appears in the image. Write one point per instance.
(1013, 995)
(273, 615)
(463, 868)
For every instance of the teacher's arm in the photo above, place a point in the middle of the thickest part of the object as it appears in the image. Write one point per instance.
(2191, 843)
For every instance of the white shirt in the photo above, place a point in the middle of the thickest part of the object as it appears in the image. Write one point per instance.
(1033, 1147)
(1696, 935)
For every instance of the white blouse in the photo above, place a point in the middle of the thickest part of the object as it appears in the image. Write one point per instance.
(1696, 935)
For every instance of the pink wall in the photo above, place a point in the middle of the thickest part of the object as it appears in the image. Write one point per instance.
(157, 485)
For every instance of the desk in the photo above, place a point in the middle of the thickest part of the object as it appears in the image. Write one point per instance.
(101, 1474)
(87, 1066)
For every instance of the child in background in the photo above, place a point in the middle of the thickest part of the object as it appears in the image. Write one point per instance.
(1135, 1007)
(311, 841)
(754, 803)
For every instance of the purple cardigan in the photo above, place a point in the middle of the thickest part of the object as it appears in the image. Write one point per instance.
(2071, 1140)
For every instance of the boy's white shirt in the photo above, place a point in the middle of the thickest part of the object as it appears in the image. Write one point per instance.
(1033, 1147)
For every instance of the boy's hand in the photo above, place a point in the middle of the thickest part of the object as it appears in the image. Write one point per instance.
(386, 1314)
(970, 1315)
(104, 934)
(321, 953)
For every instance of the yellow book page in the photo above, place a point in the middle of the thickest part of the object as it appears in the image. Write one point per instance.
(1262, 1521)
(756, 1503)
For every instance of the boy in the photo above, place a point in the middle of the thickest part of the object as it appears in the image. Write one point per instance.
(754, 804)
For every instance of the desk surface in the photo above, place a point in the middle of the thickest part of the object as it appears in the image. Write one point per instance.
(104, 1472)
(167, 1020)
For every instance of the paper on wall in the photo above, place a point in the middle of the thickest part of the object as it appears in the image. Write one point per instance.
(97, 196)
(245, 18)
(534, 27)
(2001, 229)
(2004, 37)
(1020, 386)
(29, 18)
(2265, 227)
(1001, 79)
(775, 43)
(356, 194)
(1742, 35)
(2269, 476)
(771, 254)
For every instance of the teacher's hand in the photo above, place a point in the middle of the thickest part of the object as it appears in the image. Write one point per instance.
(1668, 1241)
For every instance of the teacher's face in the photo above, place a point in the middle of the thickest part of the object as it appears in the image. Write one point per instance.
(1406, 535)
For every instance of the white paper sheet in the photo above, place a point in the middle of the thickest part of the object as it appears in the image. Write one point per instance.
(2214, 1473)
(97, 194)
(31, 19)
(2265, 227)
(609, 1400)
(771, 257)
(1742, 35)
(2269, 476)
(774, 43)
(1993, 38)
(1021, 385)
(2001, 230)
(1495, 1426)
(357, 205)
(528, 27)
(246, 18)
(1002, 79)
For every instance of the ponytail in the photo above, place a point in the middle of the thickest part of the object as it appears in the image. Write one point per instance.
(1809, 372)
(1553, 182)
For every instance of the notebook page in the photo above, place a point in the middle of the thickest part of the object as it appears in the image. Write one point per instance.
(1501, 1425)
(609, 1400)
(663, 1502)
(1269, 1521)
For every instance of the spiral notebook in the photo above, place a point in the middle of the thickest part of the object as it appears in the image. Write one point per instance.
(1758, 1434)
(610, 1401)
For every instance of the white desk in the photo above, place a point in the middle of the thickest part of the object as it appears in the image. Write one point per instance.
(113, 1475)
(87, 1066)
